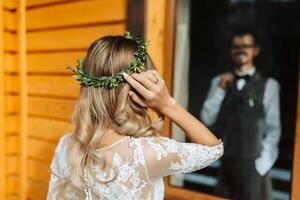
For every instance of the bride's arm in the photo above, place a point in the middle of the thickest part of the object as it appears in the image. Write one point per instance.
(157, 97)
(194, 129)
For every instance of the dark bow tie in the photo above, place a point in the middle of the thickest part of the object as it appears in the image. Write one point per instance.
(246, 77)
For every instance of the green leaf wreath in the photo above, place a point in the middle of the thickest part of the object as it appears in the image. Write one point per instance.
(136, 66)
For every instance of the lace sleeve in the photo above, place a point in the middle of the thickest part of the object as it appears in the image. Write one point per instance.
(165, 156)
(58, 169)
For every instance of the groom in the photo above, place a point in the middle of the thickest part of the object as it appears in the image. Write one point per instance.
(243, 107)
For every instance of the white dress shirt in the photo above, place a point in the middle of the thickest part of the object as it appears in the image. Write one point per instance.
(271, 103)
(240, 83)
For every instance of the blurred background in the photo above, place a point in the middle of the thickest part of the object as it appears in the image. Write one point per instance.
(202, 51)
(189, 45)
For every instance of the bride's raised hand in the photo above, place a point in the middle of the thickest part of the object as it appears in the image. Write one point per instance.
(153, 93)
(152, 90)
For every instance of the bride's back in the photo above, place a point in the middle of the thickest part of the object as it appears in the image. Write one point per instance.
(134, 167)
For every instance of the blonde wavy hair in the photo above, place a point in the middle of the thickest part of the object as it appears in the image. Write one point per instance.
(99, 110)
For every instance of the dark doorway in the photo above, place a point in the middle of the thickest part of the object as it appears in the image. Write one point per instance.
(277, 25)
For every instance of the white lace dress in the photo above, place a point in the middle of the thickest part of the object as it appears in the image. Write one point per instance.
(141, 164)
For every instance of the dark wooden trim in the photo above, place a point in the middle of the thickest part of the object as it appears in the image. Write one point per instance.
(174, 193)
(295, 192)
(169, 44)
(2, 111)
(136, 17)
(169, 53)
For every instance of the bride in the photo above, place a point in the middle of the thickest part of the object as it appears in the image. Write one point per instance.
(116, 151)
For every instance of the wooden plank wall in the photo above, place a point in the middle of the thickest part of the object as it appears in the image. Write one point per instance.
(2, 114)
(155, 31)
(11, 111)
(57, 33)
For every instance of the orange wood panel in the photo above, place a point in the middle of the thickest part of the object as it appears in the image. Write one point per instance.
(13, 182)
(76, 13)
(10, 41)
(12, 124)
(12, 197)
(11, 104)
(71, 38)
(34, 3)
(45, 63)
(38, 171)
(47, 85)
(23, 87)
(10, 4)
(40, 150)
(12, 145)
(12, 164)
(2, 111)
(168, 55)
(47, 129)
(51, 107)
(54, 85)
(11, 83)
(10, 62)
(36, 190)
(38, 127)
(53, 62)
(10, 20)
(155, 27)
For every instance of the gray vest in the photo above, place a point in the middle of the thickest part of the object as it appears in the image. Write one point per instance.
(240, 122)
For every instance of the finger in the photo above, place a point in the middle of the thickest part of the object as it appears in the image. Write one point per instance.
(150, 76)
(136, 85)
(137, 99)
(155, 72)
(160, 80)
(144, 80)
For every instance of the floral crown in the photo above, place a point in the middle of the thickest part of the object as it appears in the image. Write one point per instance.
(136, 66)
